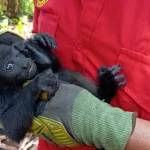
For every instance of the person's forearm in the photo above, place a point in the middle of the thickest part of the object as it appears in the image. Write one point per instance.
(140, 138)
(97, 123)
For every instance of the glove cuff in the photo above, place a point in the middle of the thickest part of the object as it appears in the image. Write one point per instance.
(97, 123)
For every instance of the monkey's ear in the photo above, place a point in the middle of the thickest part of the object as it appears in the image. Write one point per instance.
(9, 37)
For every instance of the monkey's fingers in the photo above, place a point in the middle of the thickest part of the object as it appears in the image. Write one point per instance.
(31, 48)
(51, 42)
(122, 83)
(102, 70)
(114, 69)
(20, 46)
(40, 40)
(54, 45)
(55, 85)
(119, 77)
(51, 85)
(49, 91)
(120, 80)
(46, 40)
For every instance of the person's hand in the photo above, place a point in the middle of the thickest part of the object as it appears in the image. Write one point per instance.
(74, 116)
(49, 124)
(7, 144)
(29, 141)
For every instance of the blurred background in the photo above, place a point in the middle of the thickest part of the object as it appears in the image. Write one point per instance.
(16, 15)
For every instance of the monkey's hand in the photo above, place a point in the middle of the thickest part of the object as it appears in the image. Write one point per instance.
(110, 81)
(45, 41)
(45, 82)
(40, 46)
(38, 49)
(20, 114)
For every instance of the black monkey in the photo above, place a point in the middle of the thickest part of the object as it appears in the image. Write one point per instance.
(30, 59)
(17, 103)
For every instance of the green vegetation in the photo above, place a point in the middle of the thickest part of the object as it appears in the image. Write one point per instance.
(22, 19)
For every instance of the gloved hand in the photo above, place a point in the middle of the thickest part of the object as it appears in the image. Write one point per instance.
(74, 117)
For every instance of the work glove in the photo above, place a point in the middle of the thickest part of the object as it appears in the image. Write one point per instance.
(74, 117)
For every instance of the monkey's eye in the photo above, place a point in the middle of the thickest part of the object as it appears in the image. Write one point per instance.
(9, 67)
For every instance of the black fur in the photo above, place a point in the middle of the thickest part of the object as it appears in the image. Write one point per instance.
(30, 59)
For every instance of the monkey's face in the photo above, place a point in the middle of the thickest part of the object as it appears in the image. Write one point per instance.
(16, 68)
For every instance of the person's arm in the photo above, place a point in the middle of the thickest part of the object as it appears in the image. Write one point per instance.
(140, 138)
(74, 117)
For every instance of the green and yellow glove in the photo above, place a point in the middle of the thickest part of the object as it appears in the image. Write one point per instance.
(74, 117)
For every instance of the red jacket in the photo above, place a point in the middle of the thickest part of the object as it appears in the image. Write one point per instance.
(92, 33)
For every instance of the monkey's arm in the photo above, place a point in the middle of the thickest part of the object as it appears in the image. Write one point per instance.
(17, 104)
(40, 50)
(37, 49)
(78, 79)
(109, 81)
